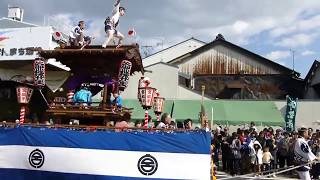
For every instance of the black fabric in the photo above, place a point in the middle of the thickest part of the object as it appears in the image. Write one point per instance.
(108, 28)
(282, 160)
(304, 148)
(303, 169)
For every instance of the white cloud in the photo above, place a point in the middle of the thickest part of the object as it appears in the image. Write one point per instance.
(300, 25)
(285, 23)
(239, 32)
(308, 53)
(277, 55)
(240, 26)
(297, 40)
(65, 22)
(62, 22)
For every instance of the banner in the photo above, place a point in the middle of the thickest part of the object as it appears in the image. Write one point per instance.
(39, 73)
(41, 153)
(291, 111)
(124, 74)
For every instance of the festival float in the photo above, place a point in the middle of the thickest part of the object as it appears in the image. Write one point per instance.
(99, 69)
(93, 149)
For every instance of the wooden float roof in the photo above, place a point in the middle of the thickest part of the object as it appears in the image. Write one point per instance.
(97, 60)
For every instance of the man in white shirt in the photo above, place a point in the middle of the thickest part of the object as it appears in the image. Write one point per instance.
(303, 154)
(76, 36)
(112, 23)
(165, 121)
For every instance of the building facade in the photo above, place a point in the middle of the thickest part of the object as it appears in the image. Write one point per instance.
(19, 45)
(232, 72)
(312, 82)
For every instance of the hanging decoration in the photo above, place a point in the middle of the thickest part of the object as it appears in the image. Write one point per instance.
(146, 97)
(39, 73)
(158, 104)
(124, 74)
(23, 96)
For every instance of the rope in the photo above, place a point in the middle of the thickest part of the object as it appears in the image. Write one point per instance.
(290, 169)
(270, 172)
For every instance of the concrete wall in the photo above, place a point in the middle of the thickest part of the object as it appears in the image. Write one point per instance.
(308, 114)
(165, 78)
(186, 94)
(174, 52)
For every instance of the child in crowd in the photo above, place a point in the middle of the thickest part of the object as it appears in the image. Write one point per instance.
(266, 159)
(257, 158)
(138, 124)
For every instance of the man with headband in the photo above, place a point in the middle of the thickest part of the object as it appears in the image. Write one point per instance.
(112, 23)
(303, 154)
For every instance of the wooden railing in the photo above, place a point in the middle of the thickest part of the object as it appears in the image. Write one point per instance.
(91, 128)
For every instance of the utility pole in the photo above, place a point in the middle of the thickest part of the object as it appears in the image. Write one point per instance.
(292, 51)
(146, 50)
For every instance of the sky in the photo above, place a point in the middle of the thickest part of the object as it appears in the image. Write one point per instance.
(271, 28)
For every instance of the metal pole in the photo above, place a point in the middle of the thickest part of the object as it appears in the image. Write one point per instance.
(211, 117)
(293, 59)
(203, 87)
(292, 51)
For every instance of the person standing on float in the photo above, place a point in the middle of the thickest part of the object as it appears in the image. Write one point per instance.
(112, 23)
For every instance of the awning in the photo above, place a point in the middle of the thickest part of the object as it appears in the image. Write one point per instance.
(243, 112)
(186, 109)
(229, 112)
(23, 70)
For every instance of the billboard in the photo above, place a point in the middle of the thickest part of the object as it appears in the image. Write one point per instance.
(21, 43)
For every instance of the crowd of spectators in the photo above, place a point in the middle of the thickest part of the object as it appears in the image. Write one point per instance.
(251, 151)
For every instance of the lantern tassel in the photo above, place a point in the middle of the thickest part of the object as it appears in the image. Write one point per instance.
(146, 119)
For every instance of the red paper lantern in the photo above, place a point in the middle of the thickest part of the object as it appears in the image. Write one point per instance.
(147, 97)
(39, 73)
(158, 105)
(24, 94)
(124, 74)
(143, 82)
(57, 36)
(131, 32)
